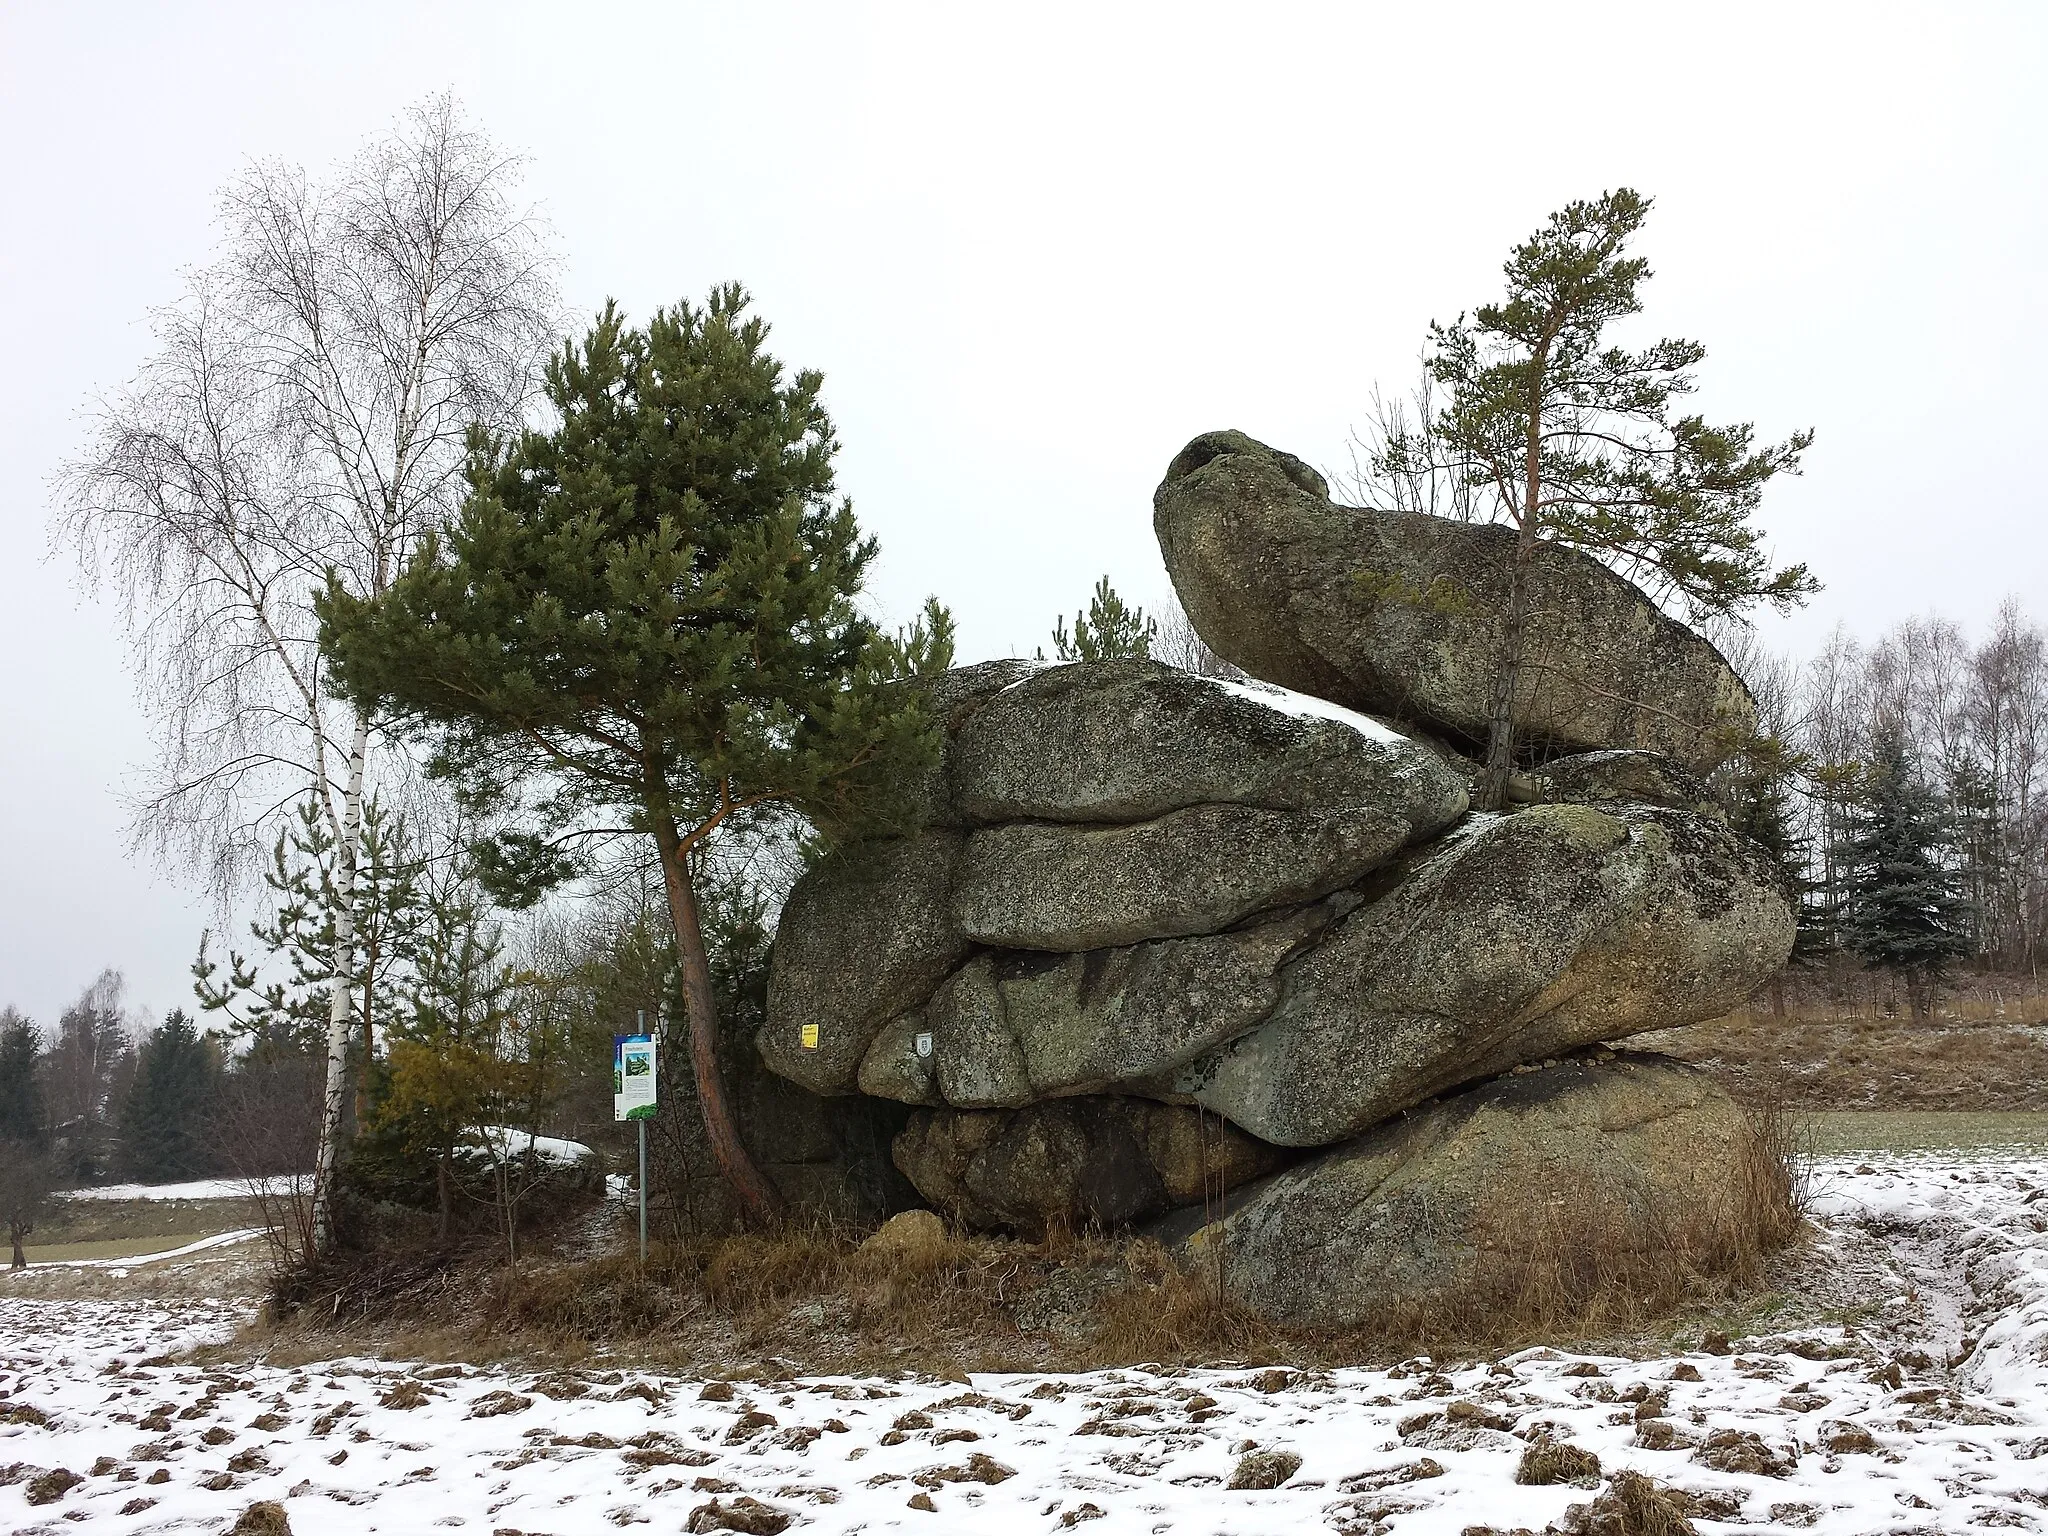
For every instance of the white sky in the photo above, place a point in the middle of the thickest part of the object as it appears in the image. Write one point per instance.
(1035, 251)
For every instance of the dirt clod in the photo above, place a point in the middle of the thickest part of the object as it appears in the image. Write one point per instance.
(52, 1485)
(1738, 1450)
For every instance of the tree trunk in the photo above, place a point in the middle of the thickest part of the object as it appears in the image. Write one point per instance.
(759, 1198)
(444, 1188)
(340, 1001)
(1491, 792)
(20, 1254)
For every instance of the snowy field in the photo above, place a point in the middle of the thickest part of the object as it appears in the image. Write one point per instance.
(1928, 1413)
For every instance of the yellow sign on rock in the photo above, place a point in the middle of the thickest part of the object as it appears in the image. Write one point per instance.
(810, 1037)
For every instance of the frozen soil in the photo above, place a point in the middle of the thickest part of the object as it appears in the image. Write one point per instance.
(1896, 1381)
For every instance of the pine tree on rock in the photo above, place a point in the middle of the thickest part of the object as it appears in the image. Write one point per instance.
(1549, 430)
(643, 621)
(1108, 631)
(164, 1116)
(1902, 908)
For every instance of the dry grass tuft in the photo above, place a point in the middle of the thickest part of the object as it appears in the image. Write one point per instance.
(1594, 1259)
(1548, 1461)
(1631, 1505)
(1163, 1312)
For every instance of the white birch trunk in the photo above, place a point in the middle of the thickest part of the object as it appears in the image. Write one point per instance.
(340, 991)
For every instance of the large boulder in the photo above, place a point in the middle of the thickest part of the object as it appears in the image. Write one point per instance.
(1517, 938)
(1401, 614)
(862, 937)
(1464, 1204)
(1005, 1030)
(1127, 800)
(1063, 887)
(1239, 801)
(1127, 741)
(1075, 1163)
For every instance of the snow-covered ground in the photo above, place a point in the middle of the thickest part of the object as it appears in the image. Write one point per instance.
(1928, 1414)
(191, 1189)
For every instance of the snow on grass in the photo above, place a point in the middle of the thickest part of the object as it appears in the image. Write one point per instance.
(191, 1189)
(1850, 1430)
(122, 1263)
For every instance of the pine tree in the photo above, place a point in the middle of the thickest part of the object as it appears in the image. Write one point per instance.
(644, 621)
(1901, 907)
(1562, 438)
(1108, 631)
(164, 1116)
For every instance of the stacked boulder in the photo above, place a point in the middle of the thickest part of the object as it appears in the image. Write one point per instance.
(1164, 941)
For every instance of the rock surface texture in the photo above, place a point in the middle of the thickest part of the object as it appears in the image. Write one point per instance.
(1160, 935)
(1399, 613)
(1428, 1211)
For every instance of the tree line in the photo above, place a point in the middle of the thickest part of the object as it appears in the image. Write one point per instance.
(101, 1097)
(1905, 785)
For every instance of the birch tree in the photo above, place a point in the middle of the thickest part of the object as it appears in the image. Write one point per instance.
(304, 412)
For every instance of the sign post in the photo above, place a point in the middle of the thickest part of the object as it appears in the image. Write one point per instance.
(634, 1097)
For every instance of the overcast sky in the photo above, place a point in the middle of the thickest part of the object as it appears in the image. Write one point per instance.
(1035, 250)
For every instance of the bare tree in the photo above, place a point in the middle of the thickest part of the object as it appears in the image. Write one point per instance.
(1399, 463)
(304, 420)
(1178, 645)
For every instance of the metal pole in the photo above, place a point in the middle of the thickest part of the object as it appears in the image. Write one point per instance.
(642, 1123)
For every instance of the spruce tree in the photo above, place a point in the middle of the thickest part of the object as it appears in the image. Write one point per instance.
(25, 1163)
(22, 1115)
(164, 1117)
(644, 622)
(1901, 909)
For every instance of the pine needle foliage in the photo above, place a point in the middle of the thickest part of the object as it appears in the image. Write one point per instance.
(643, 623)
(1108, 631)
(1543, 424)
